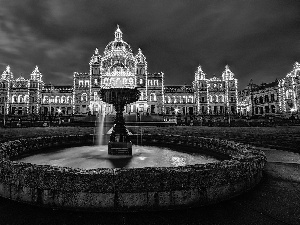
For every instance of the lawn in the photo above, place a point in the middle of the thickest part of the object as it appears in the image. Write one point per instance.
(282, 138)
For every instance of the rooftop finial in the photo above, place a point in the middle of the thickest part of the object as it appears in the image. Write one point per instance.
(8, 69)
(118, 34)
(36, 69)
(96, 51)
(199, 68)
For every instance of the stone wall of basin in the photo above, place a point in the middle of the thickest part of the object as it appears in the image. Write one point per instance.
(128, 189)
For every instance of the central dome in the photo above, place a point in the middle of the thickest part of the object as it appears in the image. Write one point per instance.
(118, 43)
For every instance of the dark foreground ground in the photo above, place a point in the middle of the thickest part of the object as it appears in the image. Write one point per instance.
(276, 200)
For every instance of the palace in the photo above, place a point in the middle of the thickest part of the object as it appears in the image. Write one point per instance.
(118, 66)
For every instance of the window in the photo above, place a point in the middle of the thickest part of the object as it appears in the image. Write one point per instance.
(142, 96)
(221, 98)
(266, 98)
(26, 98)
(202, 99)
(86, 83)
(153, 97)
(272, 98)
(45, 99)
(232, 109)
(80, 83)
(261, 100)
(273, 108)
(289, 94)
(141, 81)
(232, 99)
(57, 99)
(130, 81)
(84, 97)
(14, 99)
(69, 100)
(20, 99)
(217, 98)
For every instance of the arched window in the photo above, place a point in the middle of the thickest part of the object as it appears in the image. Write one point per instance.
(84, 97)
(191, 99)
(152, 97)
(169, 99)
(20, 99)
(57, 99)
(217, 98)
(52, 99)
(26, 99)
(46, 99)
(289, 94)
(69, 99)
(142, 96)
(131, 81)
(14, 99)
(63, 99)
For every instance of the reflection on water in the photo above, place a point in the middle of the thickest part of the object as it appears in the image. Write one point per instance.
(91, 157)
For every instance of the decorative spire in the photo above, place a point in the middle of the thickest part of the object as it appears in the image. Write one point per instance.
(36, 74)
(7, 69)
(96, 51)
(118, 34)
(227, 74)
(199, 74)
(7, 74)
(36, 70)
(140, 56)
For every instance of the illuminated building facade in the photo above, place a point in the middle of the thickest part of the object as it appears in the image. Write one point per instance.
(216, 96)
(118, 66)
(278, 97)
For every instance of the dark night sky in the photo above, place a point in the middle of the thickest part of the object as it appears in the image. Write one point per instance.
(259, 39)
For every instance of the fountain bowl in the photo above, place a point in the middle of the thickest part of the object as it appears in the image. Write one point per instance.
(131, 189)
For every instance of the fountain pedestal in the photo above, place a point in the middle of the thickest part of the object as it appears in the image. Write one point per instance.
(119, 141)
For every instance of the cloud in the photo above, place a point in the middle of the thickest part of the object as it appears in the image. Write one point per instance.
(257, 38)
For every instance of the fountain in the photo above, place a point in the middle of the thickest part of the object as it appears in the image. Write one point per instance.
(119, 143)
(160, 179)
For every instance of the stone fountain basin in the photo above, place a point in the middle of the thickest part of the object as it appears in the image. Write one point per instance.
(150, 188)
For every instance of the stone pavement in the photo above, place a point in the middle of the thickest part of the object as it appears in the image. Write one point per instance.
(276, 200)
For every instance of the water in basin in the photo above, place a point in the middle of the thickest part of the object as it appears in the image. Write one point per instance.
(92, 157)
